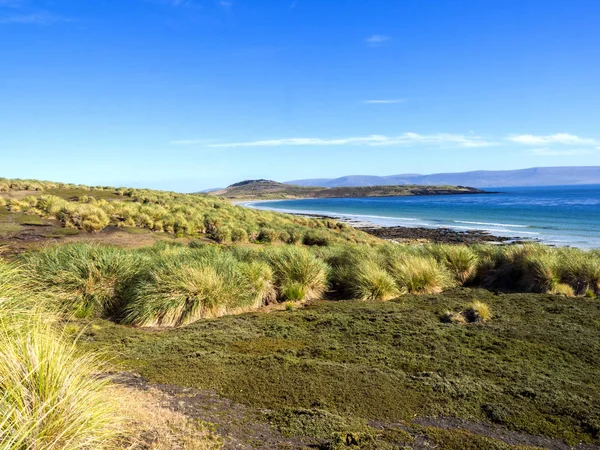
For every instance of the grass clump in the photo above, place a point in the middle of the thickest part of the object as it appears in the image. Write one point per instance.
(539, 267)
(179, 290)
(459, 260)
(371, 282)
(418, 274)
(11, 282)
(563, 289)
(84, 279)
(300, 275)
(581, 271)
(261, 279)
(83, 216)
(50, 399)
(478, 312)
(318, 238)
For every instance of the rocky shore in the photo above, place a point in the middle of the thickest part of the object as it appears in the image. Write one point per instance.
(435, 235)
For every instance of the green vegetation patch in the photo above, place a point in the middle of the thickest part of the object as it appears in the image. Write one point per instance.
(533, 368)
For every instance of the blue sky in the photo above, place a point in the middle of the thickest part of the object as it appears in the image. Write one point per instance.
(193, 94)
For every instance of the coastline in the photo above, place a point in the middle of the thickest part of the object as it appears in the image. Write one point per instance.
(401, 234)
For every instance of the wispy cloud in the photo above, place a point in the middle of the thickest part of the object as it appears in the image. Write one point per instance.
(559, 138)
(438, 140)
(564, 152)
(377, 39)
(385, 101)
(34, 18)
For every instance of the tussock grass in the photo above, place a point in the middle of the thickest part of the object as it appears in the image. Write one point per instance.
(261, 279)
(540, 269)
(11, 282)
(93, 209)
(49, 397)
(419, 274)
(371, 282)
(300, 275)
(460, 260)
(478, 312)
(581, 271)
(563, 289)
(179, 290)
(358, 272)
(84, 279)
(171, 284)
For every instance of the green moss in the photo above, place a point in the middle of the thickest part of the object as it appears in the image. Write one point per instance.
(464, 440)
(534, 368)
(314, 422)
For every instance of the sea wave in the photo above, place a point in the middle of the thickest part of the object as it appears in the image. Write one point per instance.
(511, 225)
(496, 230)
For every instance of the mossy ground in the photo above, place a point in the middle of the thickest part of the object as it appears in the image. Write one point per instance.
(533, 368)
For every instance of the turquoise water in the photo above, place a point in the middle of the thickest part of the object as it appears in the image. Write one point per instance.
(559, 215)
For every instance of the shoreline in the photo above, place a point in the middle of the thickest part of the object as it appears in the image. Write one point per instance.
(405, 234)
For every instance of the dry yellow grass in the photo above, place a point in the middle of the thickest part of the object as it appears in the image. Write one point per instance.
(153, 426)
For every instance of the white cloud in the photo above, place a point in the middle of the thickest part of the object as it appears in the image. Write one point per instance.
(551, 152)
(385, 102)
(439, 140)
(559, 138)
(377, 39)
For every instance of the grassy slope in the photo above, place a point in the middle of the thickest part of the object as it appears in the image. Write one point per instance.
(533, 368)
(135, 211)
(265, 189)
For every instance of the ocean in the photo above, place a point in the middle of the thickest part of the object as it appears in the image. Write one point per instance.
(557, 215)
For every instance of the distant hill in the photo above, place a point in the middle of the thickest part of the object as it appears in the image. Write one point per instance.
(267, 189)
(535, 176)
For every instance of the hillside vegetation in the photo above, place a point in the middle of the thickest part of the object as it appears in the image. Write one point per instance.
(298, 332)
(93, 209)
(266, 189)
